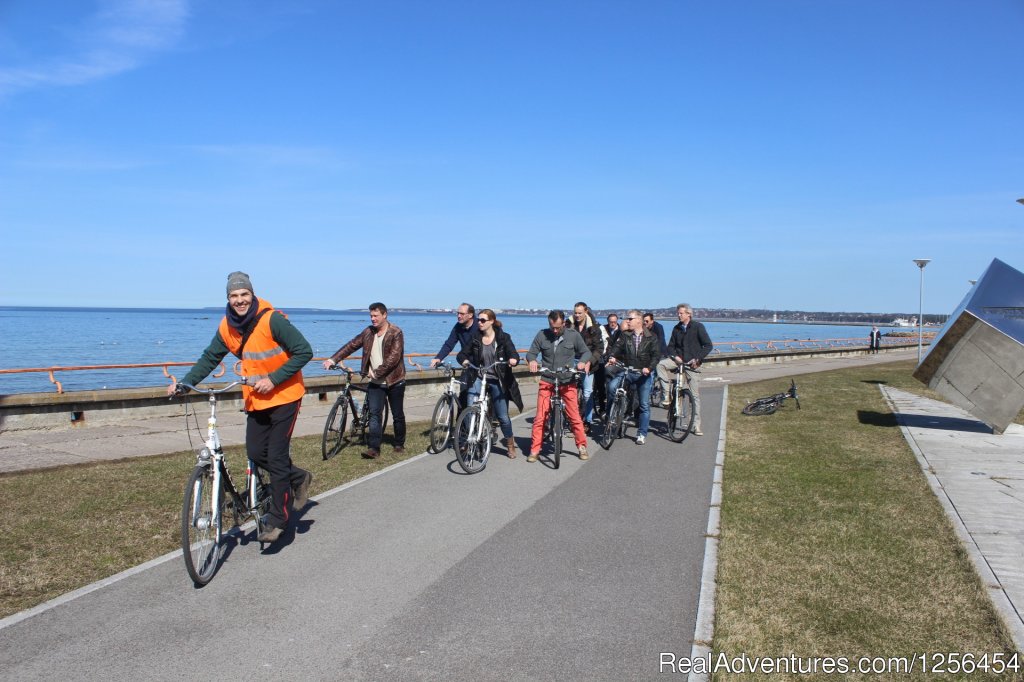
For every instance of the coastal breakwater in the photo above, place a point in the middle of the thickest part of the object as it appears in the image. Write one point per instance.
(81, 409)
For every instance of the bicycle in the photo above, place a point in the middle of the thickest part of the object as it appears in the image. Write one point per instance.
(335, 436)
(615, 424)
(554, 423)
(474, 430)
(209, 493)
(683, 406)
(771, 403)
(446, 411)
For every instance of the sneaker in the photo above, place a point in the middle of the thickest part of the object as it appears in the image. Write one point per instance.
(583, 452)
(696, 431)
(666, 402)
(640, 440)
(269, 535)
(300, 495)
(371, 454)
(533, 457)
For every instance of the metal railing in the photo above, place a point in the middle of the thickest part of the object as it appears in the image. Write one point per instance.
(721, 348)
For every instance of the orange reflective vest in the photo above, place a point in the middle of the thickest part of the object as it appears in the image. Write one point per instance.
(261, 356)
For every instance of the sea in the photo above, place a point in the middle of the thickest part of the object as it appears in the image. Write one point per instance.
(77, 337)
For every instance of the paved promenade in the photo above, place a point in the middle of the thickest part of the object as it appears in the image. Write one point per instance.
(978, 478)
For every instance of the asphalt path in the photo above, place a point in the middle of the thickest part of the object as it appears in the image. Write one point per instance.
(520, 572)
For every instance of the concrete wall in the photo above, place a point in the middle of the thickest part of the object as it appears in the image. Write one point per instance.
(82, 409)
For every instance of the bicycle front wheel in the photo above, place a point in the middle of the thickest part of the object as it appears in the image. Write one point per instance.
(613, 424)
(334, 429)
(201, 526)
(759, 407)
(441, 424)
(680, 416)
(557, 428)
(472, 440)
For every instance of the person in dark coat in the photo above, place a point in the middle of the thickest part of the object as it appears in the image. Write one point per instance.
(491, 344)
(875, 340)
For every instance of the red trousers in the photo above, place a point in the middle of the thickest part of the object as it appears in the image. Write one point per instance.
(572, 410)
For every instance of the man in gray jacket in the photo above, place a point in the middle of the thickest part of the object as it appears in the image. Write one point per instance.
(559, 346)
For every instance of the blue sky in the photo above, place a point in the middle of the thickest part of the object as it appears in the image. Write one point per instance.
(790, 154)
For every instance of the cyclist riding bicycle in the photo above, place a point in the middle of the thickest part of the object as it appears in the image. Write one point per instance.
(689, 345)
(638, 348)
(586, 324)
(488, 346)
(273, 353)
(558, 346)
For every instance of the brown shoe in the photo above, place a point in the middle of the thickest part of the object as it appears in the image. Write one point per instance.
(533, 457)
(269, 535)
(583, 452)
(399, 449)
(301, 494)
(371, 454)
(510, 445)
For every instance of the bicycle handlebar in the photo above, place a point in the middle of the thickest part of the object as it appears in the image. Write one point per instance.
(484, 369)
(205, 391)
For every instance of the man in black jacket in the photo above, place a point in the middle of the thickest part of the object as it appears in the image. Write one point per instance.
(689, 345)
(638, 348)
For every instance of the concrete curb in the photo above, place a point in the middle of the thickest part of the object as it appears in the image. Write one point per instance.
(993, 587)
(704, 632)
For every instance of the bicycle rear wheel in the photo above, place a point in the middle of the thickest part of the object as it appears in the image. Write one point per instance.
(761, 406)
(363, 424)
(201, 526)
(334, 430)
(613, 424)
(472, 440)
(680, 416)
(557, 427)
(441, 424)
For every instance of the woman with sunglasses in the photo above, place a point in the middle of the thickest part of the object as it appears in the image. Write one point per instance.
(488, 346)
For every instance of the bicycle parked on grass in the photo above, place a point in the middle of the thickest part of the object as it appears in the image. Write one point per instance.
(769, 404)
(615, 424)
(475, 429)
(337, 432)
(446, 411)
(554, 423)
(683, 407)
(210, 493)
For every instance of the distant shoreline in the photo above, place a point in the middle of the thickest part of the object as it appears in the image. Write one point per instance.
(601, 314)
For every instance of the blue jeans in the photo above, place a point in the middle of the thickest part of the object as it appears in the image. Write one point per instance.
(588, 398)
(499, 403)
(643, 391)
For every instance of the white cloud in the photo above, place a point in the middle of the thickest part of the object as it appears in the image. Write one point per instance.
(118, 38)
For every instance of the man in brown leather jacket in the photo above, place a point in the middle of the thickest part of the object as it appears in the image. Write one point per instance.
(383, 348)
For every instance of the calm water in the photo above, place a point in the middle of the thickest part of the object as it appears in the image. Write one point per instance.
(38, 337)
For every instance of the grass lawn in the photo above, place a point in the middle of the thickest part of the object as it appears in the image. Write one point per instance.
(832, 543)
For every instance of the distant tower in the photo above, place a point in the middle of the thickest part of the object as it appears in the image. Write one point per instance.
(775, 317)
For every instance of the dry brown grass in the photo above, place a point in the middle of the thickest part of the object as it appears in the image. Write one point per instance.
(832, 542)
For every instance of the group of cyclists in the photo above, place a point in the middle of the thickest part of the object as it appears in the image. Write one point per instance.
(598, 351)
(272, 353)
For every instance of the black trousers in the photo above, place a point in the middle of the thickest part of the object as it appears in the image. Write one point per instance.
(375, 397)
(268, 436)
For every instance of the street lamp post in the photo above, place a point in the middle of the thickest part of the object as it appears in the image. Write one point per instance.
(921, 262)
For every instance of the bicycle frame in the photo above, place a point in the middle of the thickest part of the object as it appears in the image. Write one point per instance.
(202, 528)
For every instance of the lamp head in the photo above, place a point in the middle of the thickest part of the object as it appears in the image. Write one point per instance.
(921, 262)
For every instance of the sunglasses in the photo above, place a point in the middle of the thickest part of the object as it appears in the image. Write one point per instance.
(482, 319)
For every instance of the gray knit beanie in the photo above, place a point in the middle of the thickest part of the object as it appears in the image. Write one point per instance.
(239, 280)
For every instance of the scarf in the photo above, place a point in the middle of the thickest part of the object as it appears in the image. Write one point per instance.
(241, 322)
